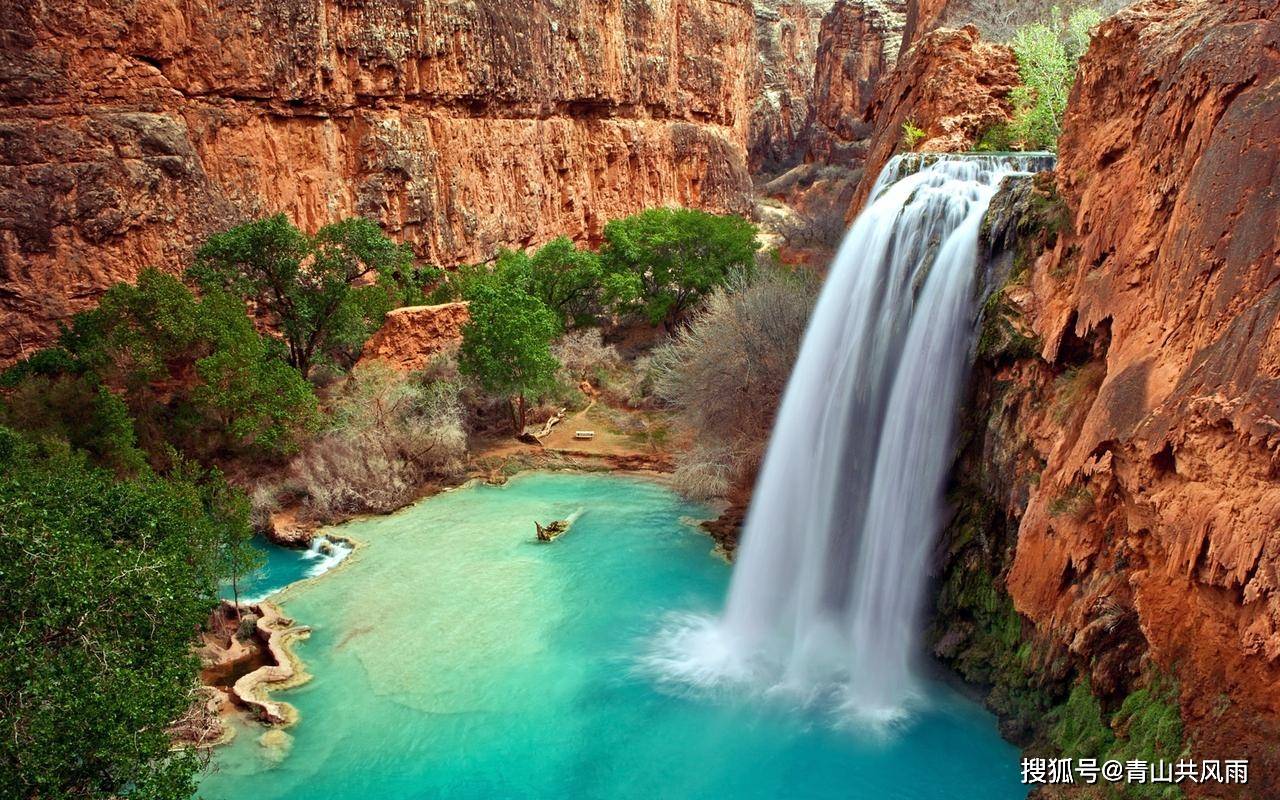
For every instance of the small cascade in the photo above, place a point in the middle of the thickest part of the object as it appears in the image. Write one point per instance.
(826, 596)
(325, 553)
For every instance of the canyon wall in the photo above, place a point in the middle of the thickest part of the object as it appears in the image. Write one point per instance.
(1127, 432)
(950, 85)
(787, 36)
(130, 129)
(858, 45)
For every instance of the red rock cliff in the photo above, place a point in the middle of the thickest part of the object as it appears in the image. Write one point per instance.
(787, 41)
(129, 130)
(951, 85)
(858, 46)
(1158, 425)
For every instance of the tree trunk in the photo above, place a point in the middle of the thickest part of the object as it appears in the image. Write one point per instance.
(235, 592)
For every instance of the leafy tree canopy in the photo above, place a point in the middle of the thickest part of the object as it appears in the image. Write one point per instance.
(105, 582)
(1047, 54)
(327, 292)
(569, 281)
(663, 261)
(506, 346)
(154, 365)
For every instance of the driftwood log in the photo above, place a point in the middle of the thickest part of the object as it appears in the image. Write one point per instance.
(551, 531)
(535, 437)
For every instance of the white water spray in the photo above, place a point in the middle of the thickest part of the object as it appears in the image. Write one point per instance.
(326, 553)
(826, 595)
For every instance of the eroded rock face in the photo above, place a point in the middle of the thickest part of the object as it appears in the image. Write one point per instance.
(1155, 410)
(411, 336)
(787, 42)
(131, 129)
(858, 45)
(951, 85)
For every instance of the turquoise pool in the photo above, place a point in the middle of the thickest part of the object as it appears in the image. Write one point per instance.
(455, 657)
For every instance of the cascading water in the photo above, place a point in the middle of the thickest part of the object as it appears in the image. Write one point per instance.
(826, 594)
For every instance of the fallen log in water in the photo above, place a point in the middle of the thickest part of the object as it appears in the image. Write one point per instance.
(552, 531)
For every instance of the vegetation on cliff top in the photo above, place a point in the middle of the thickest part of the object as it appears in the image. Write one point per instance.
(1047, 54)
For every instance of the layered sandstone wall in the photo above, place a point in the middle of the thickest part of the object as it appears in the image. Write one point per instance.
(130, 129)
(1133, 434)
(788, 33)
(858, 47)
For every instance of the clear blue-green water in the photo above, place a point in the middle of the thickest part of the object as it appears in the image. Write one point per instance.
(280, 567)
(455, 657)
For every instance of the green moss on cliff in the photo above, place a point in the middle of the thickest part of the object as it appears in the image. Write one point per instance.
(1146, 727)
(1001, 337)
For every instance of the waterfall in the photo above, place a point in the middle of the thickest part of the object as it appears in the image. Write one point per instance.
(831, 574)
(326, 553)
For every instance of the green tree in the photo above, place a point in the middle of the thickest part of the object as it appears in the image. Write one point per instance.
(77, 409)
(247, 397)
(105, 583)
(1047, 54)
(153, 365)
(567, 280)
(664, 261)
(327, 293)
(506, 346)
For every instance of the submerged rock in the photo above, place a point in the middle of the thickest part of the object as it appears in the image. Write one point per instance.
(276, 744)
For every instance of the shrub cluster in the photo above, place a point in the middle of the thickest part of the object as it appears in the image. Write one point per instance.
(655, 265)
(726, 371)
(389, 433)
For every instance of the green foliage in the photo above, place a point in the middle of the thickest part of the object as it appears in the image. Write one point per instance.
(506, 345)
(911, 134)
(76, 409)
(457, 284)
(663, 261)
(104, 584)
(1047, 54)
(567, 280)
(1000, 336)
(1147, 727)
(180, 370)
(313, 287)
(1150, 724)
(246, 396)
(1078, 729)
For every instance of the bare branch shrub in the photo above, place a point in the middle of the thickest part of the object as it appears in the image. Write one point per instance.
(582, 353)
(725, 374)
(999, 20)
(390, 433)
(705, 473)
(263, 503)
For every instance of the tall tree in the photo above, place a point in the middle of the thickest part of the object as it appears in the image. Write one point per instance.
(326, 292)
(663, 261)
(569, 281)
(506, 345)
